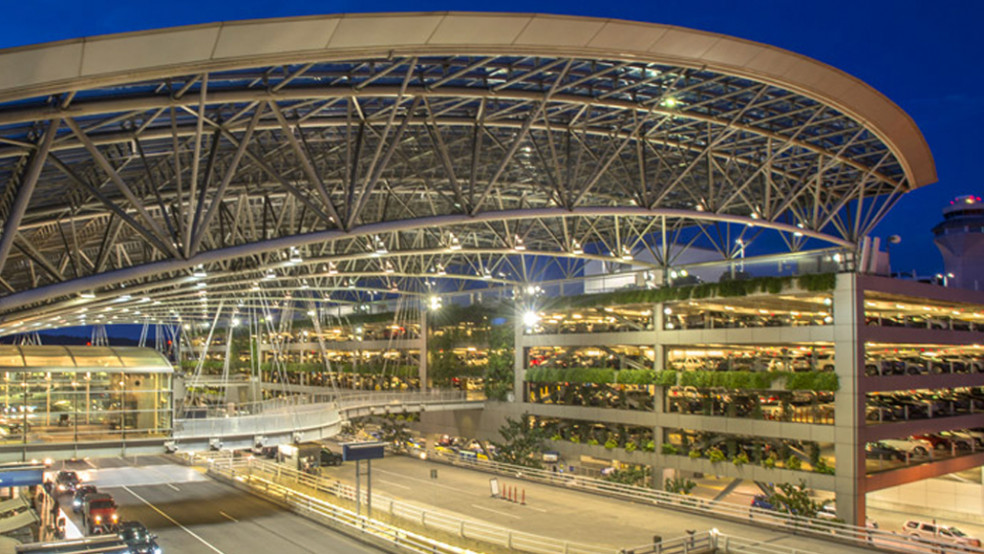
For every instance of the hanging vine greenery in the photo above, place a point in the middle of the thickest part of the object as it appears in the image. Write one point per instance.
(739, 380)
(499, 370)
(731, 288)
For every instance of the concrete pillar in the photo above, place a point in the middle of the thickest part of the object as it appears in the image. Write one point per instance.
(849, 401)
(424, 352)
(659, 354)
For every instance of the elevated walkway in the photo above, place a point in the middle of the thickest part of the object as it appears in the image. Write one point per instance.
(309, 416)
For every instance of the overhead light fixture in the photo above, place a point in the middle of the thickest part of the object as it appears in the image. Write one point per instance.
(486, 273)
(576, 247)
(626, 254)
(87, 294)
(295, 256)
(530, 319)
(518, 244)
(453, 242)
(388, 267)
(269, 275)
(378, 247)
(332, 268)
(199, 272)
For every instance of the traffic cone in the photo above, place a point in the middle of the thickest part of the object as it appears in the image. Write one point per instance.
(524, 498)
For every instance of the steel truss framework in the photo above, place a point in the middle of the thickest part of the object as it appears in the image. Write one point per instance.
(391, 174)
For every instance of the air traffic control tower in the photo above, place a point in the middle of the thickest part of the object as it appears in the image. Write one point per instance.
(960, 238)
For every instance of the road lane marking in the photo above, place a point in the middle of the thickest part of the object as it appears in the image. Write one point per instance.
(171, 519)
(173, 487)
(229, 517)
(392, 484)
(495, 511)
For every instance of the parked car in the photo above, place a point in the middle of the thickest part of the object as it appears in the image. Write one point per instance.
(940, 532)
(329, 458)
(943, 441)
(880, 450)
(913, 447)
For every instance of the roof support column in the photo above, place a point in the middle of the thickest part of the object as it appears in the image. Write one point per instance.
(19, 206)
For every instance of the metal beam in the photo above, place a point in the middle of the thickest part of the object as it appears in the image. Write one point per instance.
(26, 190)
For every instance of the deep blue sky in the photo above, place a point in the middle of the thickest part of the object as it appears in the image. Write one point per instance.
(925, 56)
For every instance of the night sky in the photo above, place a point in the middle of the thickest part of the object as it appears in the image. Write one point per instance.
(925, 56)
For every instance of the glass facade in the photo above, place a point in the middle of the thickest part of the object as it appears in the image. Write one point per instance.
(83, 394)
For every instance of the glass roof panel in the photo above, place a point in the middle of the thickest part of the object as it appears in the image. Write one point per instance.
(95, 356)
(47, 356)
(10, 356)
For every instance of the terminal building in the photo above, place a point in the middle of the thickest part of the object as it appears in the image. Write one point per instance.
(652, 243)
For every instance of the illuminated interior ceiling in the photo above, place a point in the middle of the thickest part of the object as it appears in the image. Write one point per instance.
(335, 155)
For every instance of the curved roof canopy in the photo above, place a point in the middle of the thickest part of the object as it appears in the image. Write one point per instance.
(116, 359)
(373, 151)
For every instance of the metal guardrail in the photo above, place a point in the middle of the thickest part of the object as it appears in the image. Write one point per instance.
(326, 512)
(261, 474)
(867, 537)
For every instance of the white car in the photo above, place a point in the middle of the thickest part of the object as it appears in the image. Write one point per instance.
(914, 447)
(829, 513)
(937, 531)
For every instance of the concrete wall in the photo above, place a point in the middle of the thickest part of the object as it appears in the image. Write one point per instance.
(965, 501)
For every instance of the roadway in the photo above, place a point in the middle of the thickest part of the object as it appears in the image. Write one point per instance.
(192, 514)
(554, 511)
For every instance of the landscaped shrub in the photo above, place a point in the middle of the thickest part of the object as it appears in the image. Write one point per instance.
(694, 454)
(679, 485)
(741, 459)
(668, 449)
(794, 463)
(715, 455)
(611, 444)
(822, 467)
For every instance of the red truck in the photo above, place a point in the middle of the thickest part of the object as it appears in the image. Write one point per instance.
(99, 514)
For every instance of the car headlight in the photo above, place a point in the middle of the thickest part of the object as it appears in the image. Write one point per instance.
(61, 488)
(157, 550)
(115, 517)
(76, 503)
(98, 519)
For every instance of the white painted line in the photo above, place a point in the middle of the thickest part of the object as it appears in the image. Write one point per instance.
(392, 484)
(431, 483)
(173, 487)
(90, 464)
(229, 517)
(537, 509)
(496, 511)
(171, 519)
